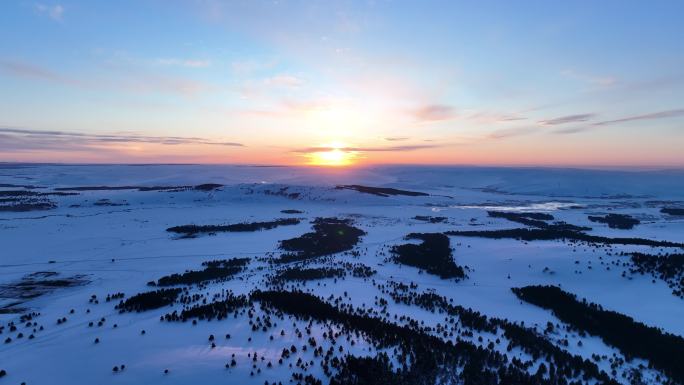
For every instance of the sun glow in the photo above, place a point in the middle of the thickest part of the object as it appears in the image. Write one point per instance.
(334, 154)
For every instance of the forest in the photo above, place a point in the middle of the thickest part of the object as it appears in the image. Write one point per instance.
(380, 191)
(330, 235)
(633, 338)
(193, 230)
(553, 233)
(214, 270)
(667, 267)
(672, 211)
(616, 221)
(433, 255)
(149, 300)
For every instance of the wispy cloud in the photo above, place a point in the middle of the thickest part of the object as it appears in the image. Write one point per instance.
(249, 66)
(396, 138)
(30, 71)
(493, 117)
(512, 132)
(133, 81)
(414, 147)
(284, 80)
(151, 83)
(289, 108)
(190, 63)
(655, 115)
(434, 112)
(570, 130)
(18, 139)
(55, 12)
(634, 118)
(602, 81)
(567, 119)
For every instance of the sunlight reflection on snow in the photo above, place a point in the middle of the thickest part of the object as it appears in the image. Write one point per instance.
(543, 206)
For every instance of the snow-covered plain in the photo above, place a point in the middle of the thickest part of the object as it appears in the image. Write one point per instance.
(115, 240)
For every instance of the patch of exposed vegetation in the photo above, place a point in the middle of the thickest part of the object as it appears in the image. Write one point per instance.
(528, 219)
(40, 283)
(193, 230)
(380, 191)
(672, 211)
(10, 185)
(633, 338)
(28, 206)
(427, 218)
(97, 188)
(26, 194)
(433, 255)
(616, 221)
(23, 201)
(537, 220)
(330, 236)
(149, 300)
(201, 187)
(208, 186)
(12, 309)
(107, 202)
(283, 192)
(299, 274)
(226, 263)
(556, 233)
(164, 188)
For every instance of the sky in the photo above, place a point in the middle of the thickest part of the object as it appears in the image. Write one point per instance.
(533, 83)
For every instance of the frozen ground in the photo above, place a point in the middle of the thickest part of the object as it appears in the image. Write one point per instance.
(104, 241)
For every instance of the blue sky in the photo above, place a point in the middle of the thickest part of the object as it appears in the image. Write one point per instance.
(493, 82)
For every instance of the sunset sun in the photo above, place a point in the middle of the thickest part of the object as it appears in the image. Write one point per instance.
(334, 154)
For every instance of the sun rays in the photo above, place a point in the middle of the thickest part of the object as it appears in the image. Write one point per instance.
(332, 154)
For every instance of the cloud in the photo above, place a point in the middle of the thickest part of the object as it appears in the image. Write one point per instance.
(149, 83)
(132, 81)
(511, 132)
(434, 112)
(55, 12)
(570, 130)
(396, 138)
(284, 81)
(25, 70)
(489, 117)
(247, 67)
(310, 150)
(567, 119)
(10, 143)
(651, 116)
(190, 63)
(17, 139)
(671, 80)
(602, 81)
(655, 115)
(511, 118)
(289, 108)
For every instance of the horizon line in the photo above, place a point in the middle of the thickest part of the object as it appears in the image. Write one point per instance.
(354, 166)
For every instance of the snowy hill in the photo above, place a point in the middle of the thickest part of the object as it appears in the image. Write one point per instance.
(370, 275)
